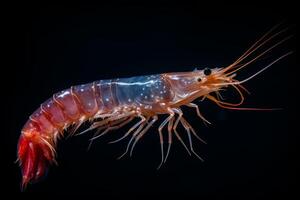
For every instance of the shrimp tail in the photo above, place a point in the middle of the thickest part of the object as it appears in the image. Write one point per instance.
(35, 154)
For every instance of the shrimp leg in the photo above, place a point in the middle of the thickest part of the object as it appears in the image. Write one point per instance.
(170, 125)
(128, 132)
(120, 123)
(113, 119)
(188, 128)
(110, 124)
(98, 124)
(142, 133)
(141, 125)
(192, 129)
(109, 127)
(180, 114)
(192, 105)
(161, 139)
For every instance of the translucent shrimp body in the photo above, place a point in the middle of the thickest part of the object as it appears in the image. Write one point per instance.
(111, 104)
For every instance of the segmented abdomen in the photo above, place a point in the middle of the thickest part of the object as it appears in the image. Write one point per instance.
(71, 105)
(36, 148)
(84, 101)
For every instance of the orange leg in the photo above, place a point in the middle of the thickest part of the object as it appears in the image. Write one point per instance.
(129, 131)
(188, 127)
(180, 114)
(141, 125)
(170, 126)
(109, 127)
(112, 126)
(142, 133)
(192, 129)
(198, 112)
(161, 139)
(109, 117)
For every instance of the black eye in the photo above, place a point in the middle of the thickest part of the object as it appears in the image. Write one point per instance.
(199, 79)
(207, 71)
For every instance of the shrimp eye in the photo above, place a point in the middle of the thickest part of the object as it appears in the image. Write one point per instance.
(199, 79)
(207, 71)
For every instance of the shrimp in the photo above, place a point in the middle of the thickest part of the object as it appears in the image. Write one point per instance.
(111, 104)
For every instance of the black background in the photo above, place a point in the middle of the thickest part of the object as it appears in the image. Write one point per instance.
(247, 155)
